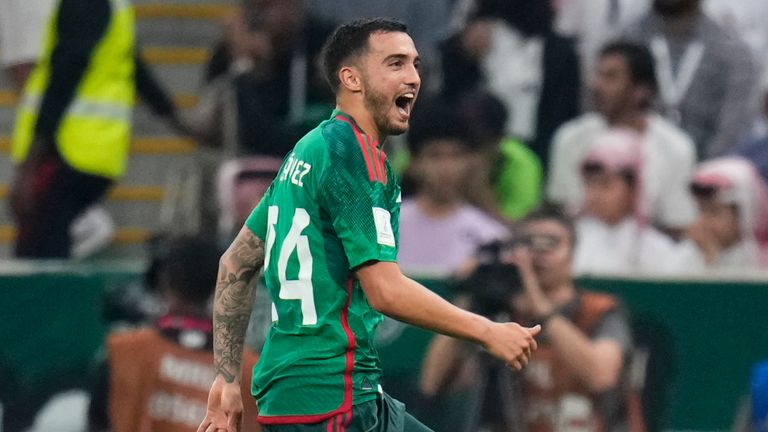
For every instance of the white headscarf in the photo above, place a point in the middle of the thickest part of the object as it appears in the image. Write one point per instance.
(738, 183)
(621, 149)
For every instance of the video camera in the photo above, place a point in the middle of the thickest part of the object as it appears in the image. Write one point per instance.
(494, 282)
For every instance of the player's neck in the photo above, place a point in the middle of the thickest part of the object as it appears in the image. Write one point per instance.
(361, 116)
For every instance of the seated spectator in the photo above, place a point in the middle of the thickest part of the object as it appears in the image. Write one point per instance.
(577, 373)
(156, 379)
(509, 48)
(707, 76)
(612, 233)
(506, 175)
(241, 185)
(624, 89)
(439, 231)
(262, 84)
(731, 232)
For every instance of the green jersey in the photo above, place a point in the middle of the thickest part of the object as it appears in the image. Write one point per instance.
(333, 206)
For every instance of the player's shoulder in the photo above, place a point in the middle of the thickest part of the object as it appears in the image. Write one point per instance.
(332, 136)
(342, 136)
(350, 149)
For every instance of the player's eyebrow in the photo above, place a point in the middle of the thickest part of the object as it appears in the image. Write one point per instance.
(400, 57)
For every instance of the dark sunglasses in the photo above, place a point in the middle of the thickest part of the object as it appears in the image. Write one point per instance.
(703, 190)
(592, 168)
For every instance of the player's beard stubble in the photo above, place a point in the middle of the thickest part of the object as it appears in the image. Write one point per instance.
(379, 106)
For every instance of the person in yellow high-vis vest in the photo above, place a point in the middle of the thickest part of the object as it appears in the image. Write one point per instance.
(73, 124)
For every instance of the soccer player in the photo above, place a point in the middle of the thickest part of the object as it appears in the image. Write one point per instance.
(326, 233)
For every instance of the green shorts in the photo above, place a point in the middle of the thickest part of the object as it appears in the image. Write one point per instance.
(385, 414)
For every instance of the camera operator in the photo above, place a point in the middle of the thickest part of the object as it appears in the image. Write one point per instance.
(575, 380)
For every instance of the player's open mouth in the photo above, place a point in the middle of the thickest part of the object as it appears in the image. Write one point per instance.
(404, 104)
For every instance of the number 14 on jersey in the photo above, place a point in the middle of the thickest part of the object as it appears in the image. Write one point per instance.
(299, 289)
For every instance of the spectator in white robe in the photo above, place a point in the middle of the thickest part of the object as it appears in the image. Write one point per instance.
(731, 232)
(613, 235)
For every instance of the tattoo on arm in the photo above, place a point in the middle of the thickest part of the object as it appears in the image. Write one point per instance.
(233, 301)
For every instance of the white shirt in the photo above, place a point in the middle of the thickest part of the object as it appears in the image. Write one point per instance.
(740, 257)
(22, 26)
(624, 248)
(514, 69)
(437, 247)
(668, 163)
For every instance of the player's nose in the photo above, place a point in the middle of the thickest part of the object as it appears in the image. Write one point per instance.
(412, 77)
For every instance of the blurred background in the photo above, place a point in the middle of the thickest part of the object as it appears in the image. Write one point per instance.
(606, 157)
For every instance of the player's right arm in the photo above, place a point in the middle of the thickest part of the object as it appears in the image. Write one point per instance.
(393, 294)
(231, 311)
(361, 213)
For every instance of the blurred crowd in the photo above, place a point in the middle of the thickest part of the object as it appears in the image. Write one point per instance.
(624, 137)
(645, 120)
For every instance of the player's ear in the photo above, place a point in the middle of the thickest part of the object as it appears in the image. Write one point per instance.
(351, 79)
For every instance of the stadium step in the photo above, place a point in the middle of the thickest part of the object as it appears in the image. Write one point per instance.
(152, 159)
(123, 235)
(118, 193)
(171, 55)
(139, 145)
(9, 99)
(202, 11)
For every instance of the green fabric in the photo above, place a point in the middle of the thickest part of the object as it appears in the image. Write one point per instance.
(329, 209)
(382, 415)
(517, 179)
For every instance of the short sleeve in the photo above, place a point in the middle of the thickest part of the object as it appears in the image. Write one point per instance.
(257, 221)
(614, 326)
(361, 212)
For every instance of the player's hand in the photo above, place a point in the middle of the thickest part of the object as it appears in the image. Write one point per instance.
(512, 343)
(225, 407)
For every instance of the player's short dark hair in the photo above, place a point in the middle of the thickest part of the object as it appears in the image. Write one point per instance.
(433, 120)
(549, 211)
(191, 264)
(640, 62)
(350, 40)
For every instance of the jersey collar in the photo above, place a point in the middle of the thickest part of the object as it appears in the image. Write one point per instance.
(339, 113)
